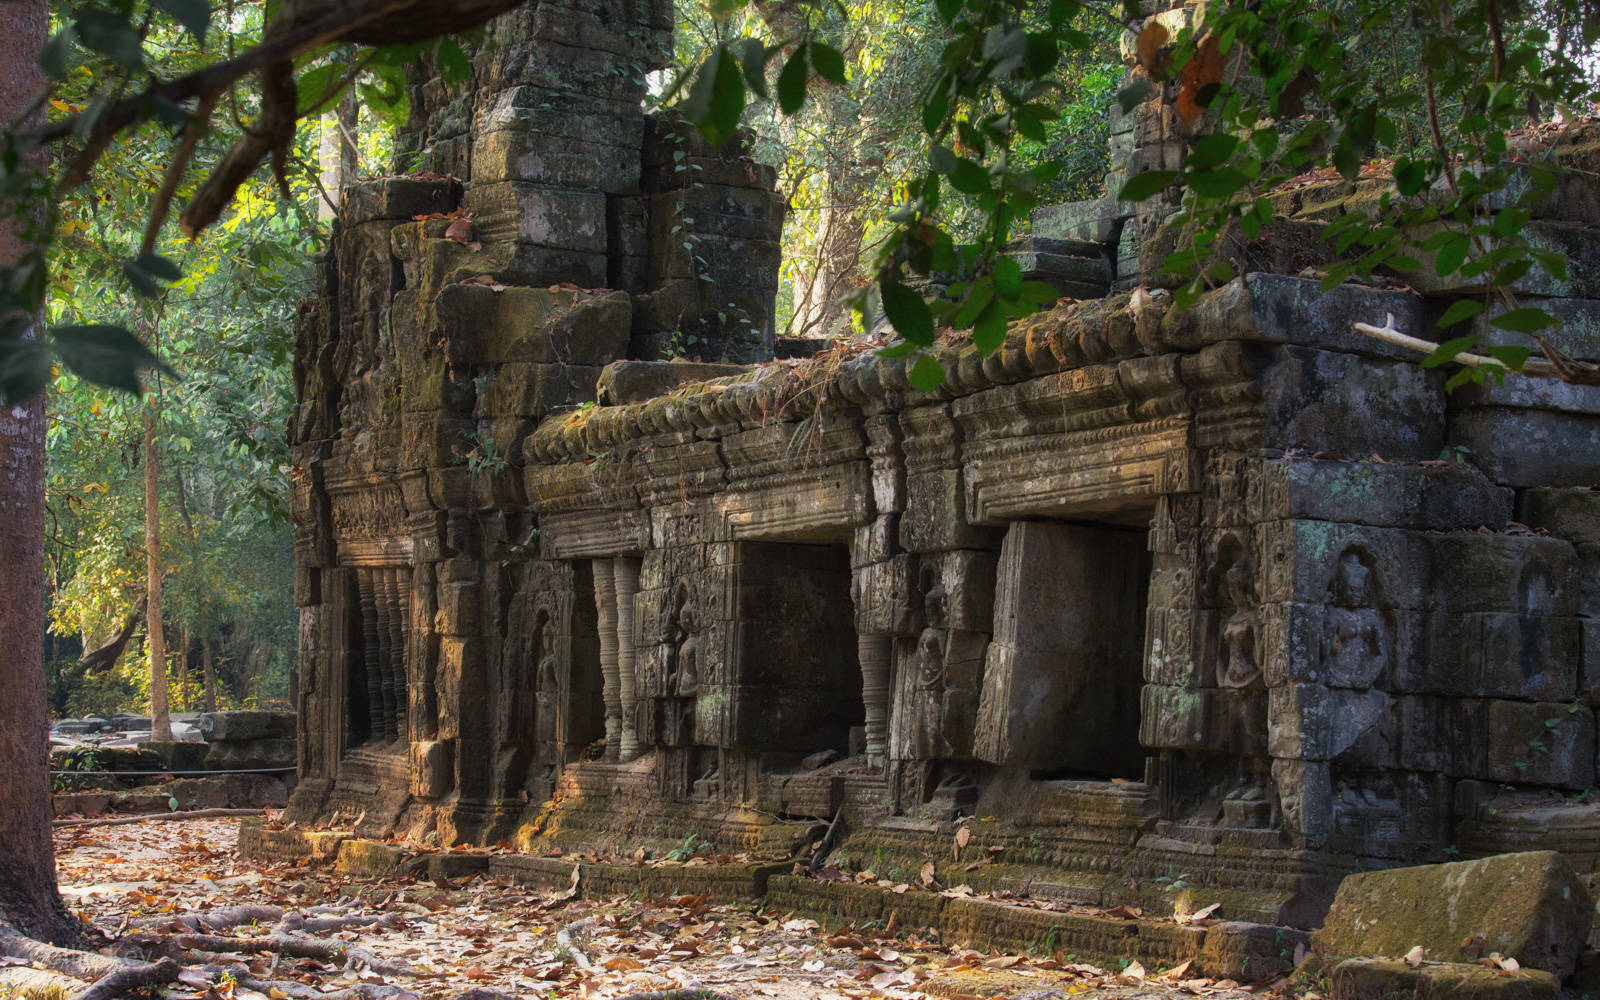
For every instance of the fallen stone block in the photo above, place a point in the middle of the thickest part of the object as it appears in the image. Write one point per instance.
(1388, 979)
(1530, 906)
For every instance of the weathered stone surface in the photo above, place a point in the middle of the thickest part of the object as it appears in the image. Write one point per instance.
(635, 381)
(1060, 689)
(1388, 979)
(238, 726)
(564, 218)
(401, 198)
(1530, 906)
(486, 325)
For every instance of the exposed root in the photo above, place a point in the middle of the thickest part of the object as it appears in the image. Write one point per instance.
(690, 994)
(217, 920)
(135, 975)
(293, 946)
(82, 965)
(147, 817)
(300, 991)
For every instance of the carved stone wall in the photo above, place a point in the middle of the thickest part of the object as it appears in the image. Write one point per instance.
(1143, 590)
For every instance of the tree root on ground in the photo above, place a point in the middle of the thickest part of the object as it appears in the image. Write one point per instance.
(217, 920)
(689, 994)
(107, 976)
(147, 817)
(292, 945)
(88, 975)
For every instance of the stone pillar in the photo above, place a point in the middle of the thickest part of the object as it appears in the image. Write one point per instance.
(395, 595)
(626, 574)
(605, 602)
(384, 627)
(874, 653)
(369, 652)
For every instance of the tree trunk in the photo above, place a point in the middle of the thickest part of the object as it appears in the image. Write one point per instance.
(29, 901)
(160, 724)
(185, 643)
(210, 675)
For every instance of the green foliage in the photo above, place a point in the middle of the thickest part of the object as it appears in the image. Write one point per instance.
(83, 758)
(1279, 88)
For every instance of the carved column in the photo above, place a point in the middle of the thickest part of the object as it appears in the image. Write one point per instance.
(385, 661)
(369, 652)
(627, 586)
(605, 603)
(395, 594)
(874, 653)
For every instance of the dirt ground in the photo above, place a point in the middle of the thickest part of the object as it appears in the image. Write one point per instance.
(440, 940)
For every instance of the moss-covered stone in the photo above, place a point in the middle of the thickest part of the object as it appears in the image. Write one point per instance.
(1530, 906)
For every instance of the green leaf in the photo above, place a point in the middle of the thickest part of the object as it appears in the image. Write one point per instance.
(1042, 53)
(1147, 184)
(990, 331)
(1524, 320)
(316, 92)
(1133, 94)
(1511, 356)
(753, 56)
(158, 266)
(111, 35)
(1212, 150)
(1410, 176)
(792, 82)
(452, 62)
(105, 355)
(727, 102)
(1216, 183)
(1462, 309)
(1008, 278)
(927, 374)
(1039, 293)
(969, 178)
(1452, 255)
(24, 369)
(1446, 352)
(827, 61)
(934, 110)
(193, 15)
(53, 58)
(948, 9)
(907, 312)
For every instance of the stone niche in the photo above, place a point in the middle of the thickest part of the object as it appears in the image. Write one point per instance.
(1062, 678)
(379, 607)
(792, 684)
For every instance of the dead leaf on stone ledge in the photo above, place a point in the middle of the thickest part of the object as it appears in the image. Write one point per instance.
(926, 876)
(962, 839)
(1414, 957)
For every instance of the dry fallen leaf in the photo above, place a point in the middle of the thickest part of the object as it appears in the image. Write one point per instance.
(1414, 957)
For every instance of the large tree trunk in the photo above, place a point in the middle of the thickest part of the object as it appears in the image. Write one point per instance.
(160, 724)
(29, 901)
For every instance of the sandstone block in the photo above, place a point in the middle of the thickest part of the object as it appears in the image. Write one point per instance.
(623, 382)
(1387, 979)
(545, 215)
(1530, 906)
(247, 725)
(398, 198)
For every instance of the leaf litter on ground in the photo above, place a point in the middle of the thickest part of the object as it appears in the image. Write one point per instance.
(415, 937)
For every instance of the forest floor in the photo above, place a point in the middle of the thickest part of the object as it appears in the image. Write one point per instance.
(436, 940)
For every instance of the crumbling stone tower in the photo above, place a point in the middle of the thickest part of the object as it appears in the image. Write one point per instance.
(539, 225)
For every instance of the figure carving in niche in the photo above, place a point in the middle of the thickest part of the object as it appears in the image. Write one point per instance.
(685, 664)
(1356, 647)
(547, 702)
(1237, 666)
(928, 662)
(1250, 803)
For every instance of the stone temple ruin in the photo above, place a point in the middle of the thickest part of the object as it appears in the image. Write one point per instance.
(1144, 599)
